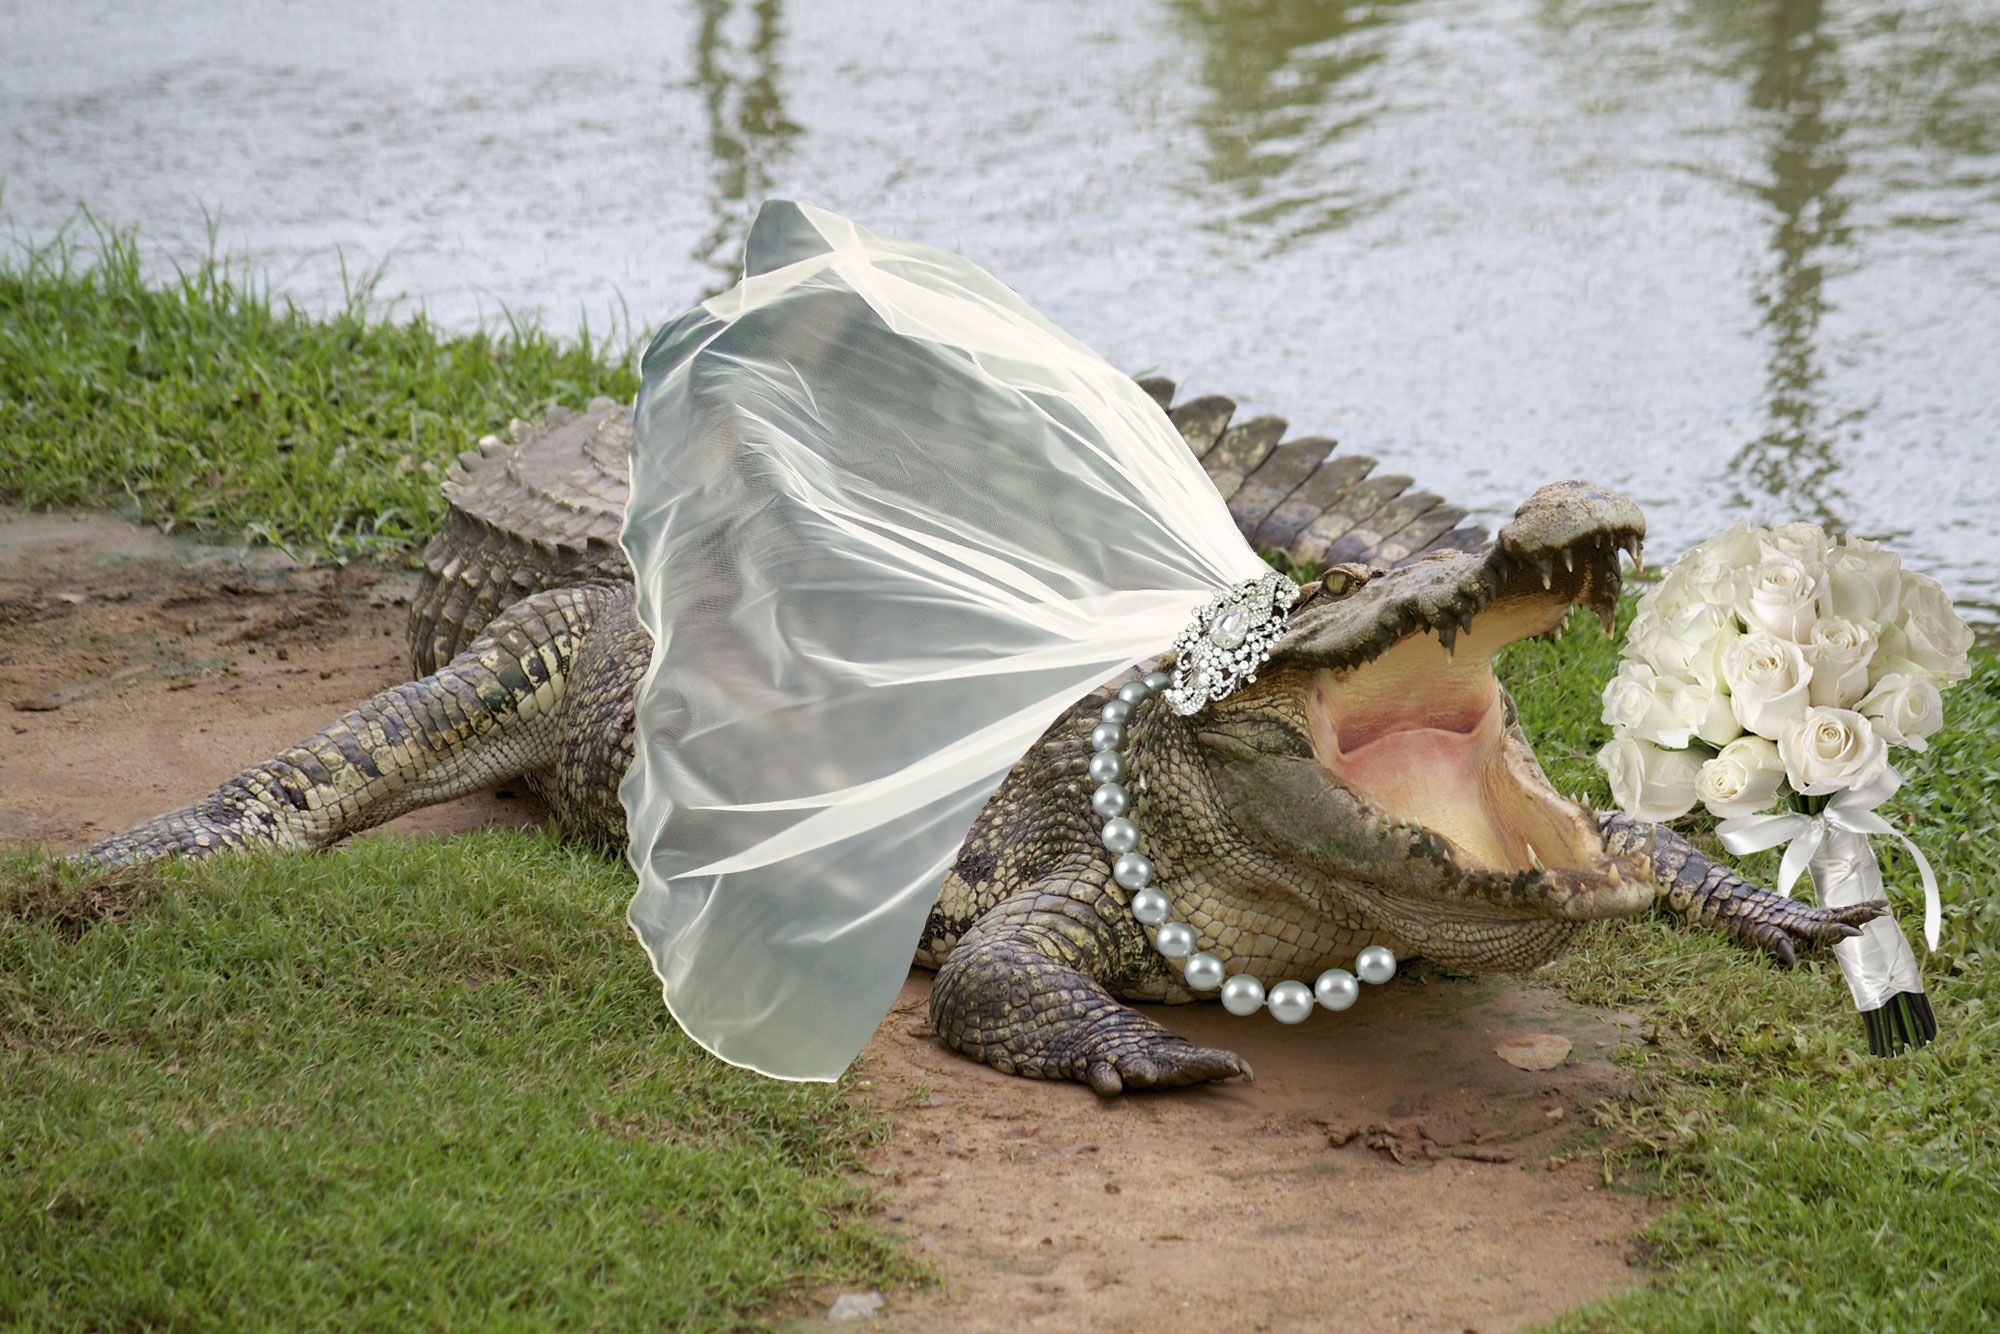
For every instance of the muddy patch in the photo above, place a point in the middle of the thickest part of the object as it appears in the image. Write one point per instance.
(1387, 1168)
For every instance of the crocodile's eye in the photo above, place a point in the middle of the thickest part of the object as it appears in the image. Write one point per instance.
(1337, 581)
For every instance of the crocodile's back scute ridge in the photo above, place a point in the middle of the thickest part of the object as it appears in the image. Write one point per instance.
(543, 508)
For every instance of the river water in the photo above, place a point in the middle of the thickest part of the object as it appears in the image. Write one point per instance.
(1737, 258)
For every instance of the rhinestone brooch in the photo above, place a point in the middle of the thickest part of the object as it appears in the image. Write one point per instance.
(1229, 639)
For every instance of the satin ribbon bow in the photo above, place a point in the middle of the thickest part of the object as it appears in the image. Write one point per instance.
(1852, 810)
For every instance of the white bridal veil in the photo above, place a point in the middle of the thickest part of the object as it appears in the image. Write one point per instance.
(887, 523)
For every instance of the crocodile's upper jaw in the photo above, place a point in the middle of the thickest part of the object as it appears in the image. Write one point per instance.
(1426, 792)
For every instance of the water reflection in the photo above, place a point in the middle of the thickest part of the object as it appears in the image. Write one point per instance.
(1282, 93)
(1678, 245)
(748, 131)
(1795, 79)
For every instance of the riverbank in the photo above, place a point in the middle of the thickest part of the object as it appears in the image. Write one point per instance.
(414, 1051)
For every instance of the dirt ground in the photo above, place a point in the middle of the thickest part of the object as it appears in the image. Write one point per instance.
(1387, 1168)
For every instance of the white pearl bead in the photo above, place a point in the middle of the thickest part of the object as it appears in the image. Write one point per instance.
(1117, 711)
(1135, 692)
(1337, 989)
(1120, 835)
(1203, 972)
(1376, 964)
(1175, 940)
(1158, 681)
(1110, 801)
(1133, 870)
(1290, 1002)
(1243, 994)
(1107, 766)
(1150, 906)
(1107, 736)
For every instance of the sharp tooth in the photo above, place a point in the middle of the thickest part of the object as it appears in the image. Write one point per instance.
(1569, 560)
(1607, 616)
(1535, 858)
(1448, 636)
(1612, 878)
(1548, 571)
(1637, 548)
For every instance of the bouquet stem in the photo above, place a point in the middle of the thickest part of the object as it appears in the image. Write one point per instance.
(1880, 967)
(1905, 1020)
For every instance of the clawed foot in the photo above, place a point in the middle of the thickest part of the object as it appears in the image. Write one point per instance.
(1779, 926)
(1160, 1061)
(999, 999)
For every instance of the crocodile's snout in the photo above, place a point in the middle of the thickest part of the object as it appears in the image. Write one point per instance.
(1432, 802)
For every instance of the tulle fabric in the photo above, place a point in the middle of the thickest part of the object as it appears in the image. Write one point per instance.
(887, 523)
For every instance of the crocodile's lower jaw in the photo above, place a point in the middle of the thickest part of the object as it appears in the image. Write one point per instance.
(1422, 736)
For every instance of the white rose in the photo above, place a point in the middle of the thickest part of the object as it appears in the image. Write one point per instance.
(1713, 571)
(1781, 596)
(1905, 709)
(1705, 663)
(1639, 702)
(1805, 543)
(1671, 591)
(1839, 652)
(1831, 750)
(1706, 712)
(1648, 782)
(1929, 632)
(1863, 583)
(1743, 779)
(1646, 641)
(1768, 679)
(1673, 638)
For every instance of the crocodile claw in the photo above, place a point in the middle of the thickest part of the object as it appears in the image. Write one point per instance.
(1779, 932)
(1162, 1061)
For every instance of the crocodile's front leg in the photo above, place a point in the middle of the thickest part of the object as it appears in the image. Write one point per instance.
(489, 715)
(1018, 993)
(1700, 890)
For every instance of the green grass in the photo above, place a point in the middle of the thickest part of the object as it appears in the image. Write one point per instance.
(423, 1083)
(408, 1083)
(213, 410)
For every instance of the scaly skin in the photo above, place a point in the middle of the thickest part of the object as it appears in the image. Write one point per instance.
(1275, 861)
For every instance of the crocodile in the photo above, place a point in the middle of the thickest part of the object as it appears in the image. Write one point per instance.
(1373, 785)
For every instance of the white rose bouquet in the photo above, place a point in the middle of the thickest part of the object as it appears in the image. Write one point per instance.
(1775, 666)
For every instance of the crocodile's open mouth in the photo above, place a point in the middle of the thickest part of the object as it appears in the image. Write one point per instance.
(1421, 731)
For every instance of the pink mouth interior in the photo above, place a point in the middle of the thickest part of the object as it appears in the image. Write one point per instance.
(1423, 737)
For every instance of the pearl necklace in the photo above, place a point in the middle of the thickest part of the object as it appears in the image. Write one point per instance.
(1289, 1002)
